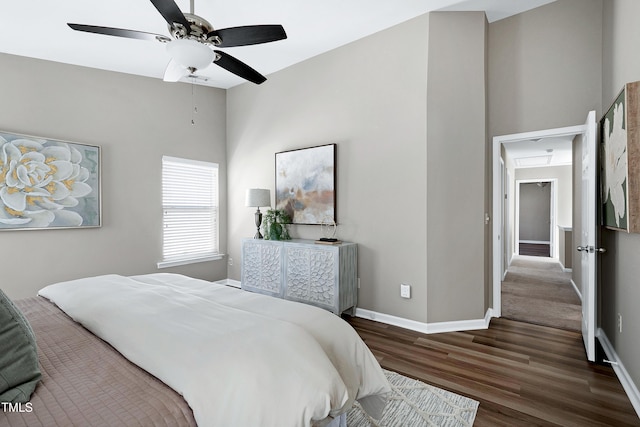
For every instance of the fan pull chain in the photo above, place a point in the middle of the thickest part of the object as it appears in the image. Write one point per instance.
(194, 109)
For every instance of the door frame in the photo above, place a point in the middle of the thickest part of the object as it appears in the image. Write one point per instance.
(553, 214)
(498, 196)
(505, 258)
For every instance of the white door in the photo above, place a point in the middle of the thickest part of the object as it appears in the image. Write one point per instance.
(553, 253)
(588, 242)
(504, 217)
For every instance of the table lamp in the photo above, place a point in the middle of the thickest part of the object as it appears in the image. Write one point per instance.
(257, 197)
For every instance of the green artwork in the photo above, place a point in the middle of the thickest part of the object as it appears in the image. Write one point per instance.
(614, 165)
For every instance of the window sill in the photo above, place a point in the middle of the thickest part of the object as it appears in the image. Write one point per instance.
(175, 263)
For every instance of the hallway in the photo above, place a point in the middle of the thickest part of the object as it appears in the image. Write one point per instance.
(537, 290)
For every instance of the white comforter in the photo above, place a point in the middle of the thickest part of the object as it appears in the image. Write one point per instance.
(239, 359)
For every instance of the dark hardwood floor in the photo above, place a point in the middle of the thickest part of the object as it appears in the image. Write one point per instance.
(534, 249)
(522, 374)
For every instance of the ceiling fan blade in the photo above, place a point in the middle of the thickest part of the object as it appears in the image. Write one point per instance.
(118, 32)
(238, 68)
(174, 72)
(248, 35)
(171, 13)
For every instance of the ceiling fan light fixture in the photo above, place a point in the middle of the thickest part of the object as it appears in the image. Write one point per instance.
(190, 53)
(194, 39)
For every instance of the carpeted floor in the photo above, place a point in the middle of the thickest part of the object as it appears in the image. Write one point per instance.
(536, 290)
(416, 404)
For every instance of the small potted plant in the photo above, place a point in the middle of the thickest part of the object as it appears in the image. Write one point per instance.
(274, 225)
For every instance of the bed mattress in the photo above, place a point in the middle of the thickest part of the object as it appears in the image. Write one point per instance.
(86, 382)
(237, 358)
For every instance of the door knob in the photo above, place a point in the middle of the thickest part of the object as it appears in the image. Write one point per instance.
(591, 249)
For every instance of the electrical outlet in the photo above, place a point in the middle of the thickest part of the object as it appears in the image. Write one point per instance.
(405, 290)
(620, 322)
(230, 261)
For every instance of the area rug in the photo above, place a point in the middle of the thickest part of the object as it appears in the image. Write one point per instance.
(415, 404)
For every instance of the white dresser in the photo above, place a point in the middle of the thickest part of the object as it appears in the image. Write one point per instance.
(301, 270)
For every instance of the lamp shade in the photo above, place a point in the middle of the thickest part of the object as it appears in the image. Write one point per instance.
(190, 53)
(257, 197)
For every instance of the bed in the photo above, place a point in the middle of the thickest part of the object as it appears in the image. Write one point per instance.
(169, 350)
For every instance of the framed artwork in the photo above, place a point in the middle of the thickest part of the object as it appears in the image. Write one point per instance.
(48, 184)
(620, 161)
(306, 184)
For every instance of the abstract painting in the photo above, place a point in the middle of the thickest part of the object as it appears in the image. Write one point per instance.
(305, 184)
(620, 161)
(48, 184)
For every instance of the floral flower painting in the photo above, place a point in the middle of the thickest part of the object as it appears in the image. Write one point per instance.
(47, 183)
(620, 161)
(614, 162)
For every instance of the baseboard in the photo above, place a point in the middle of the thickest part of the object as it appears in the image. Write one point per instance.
(565, 269)
(624, 377)
(575, 288)
(426, 328)
(229, 282)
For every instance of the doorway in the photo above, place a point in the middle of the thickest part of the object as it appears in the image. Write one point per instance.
(585, 239)
(504, 207)
(536, 288)
(535, 219)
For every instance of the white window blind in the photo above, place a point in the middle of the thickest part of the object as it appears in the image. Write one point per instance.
(190, 211)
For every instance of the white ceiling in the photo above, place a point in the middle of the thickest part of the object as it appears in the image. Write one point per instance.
(551, 151)
(37, 29)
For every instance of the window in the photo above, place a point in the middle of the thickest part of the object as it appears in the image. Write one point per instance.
(190, 211)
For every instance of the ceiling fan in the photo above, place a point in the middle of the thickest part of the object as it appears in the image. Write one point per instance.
(193, 42)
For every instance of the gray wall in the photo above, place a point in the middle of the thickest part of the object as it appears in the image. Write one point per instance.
(390, 108)
(535, 212)
(564, 189)
(620, 290)
(563, 175)
(135, 120)
(456, 141)
(545, 67)
(346, 97)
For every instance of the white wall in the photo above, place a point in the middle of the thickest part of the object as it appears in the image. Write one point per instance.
(135, 120)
